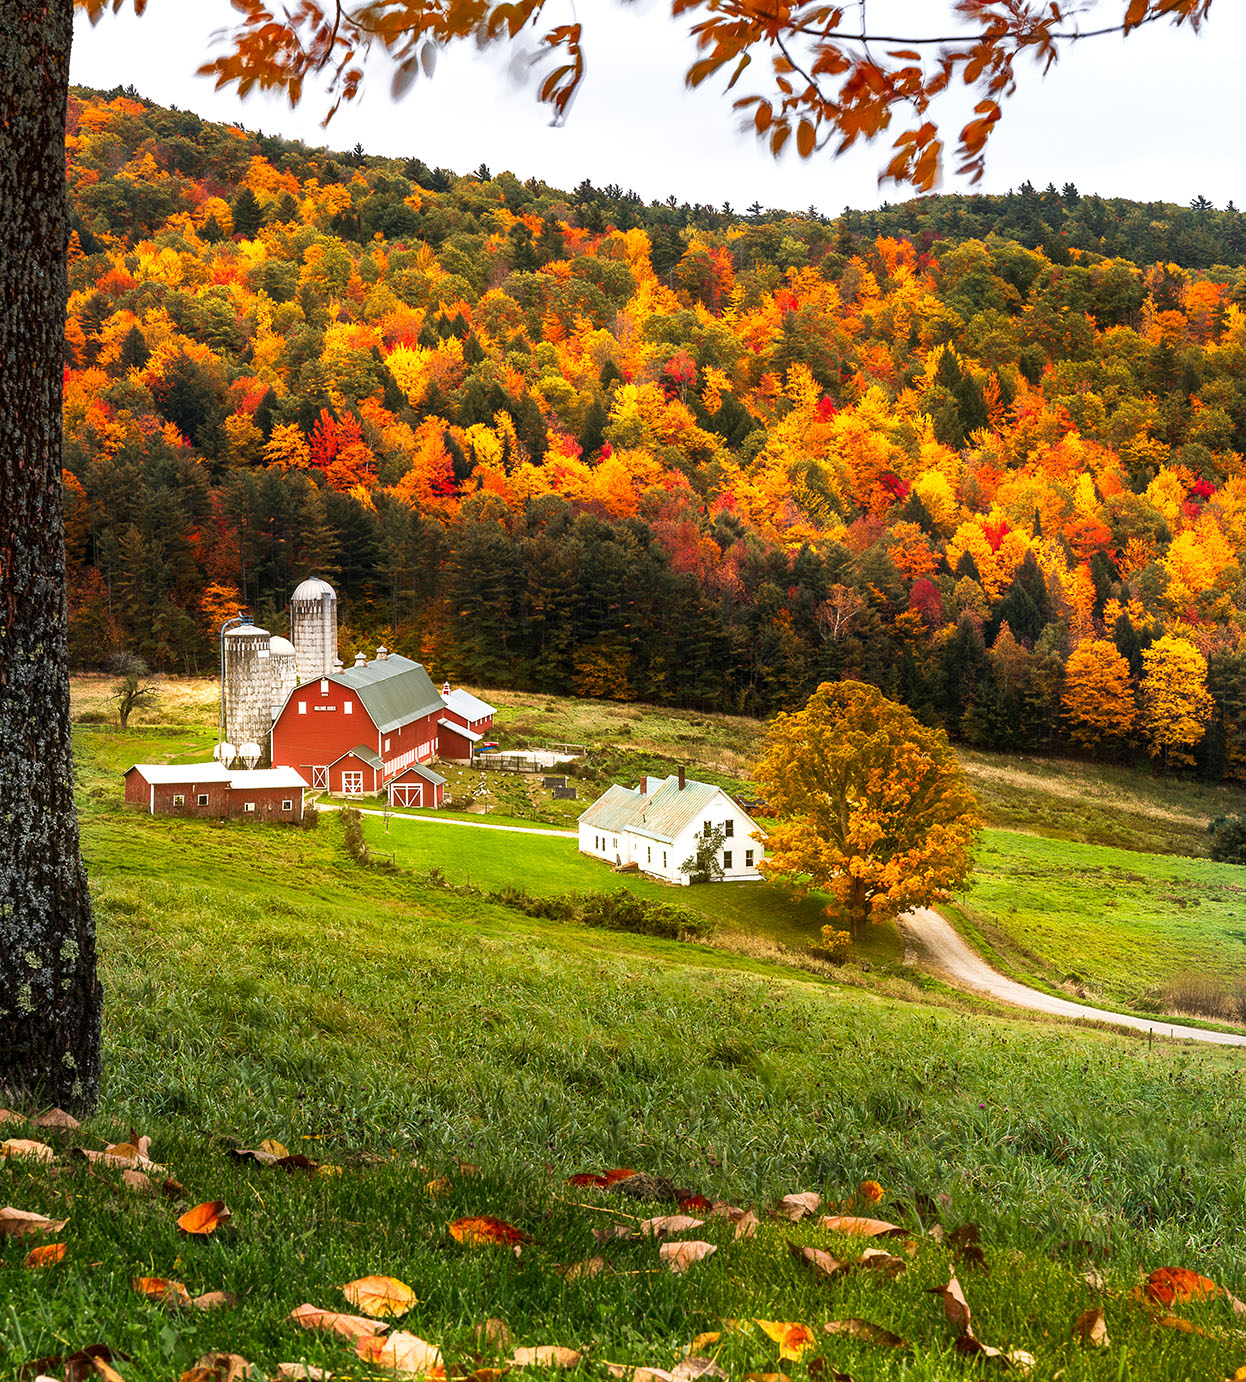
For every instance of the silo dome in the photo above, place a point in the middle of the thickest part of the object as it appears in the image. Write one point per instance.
(281, 647)
(313, 588)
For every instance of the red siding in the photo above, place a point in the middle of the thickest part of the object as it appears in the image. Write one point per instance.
(324, 732)
(351, 764)
(419, 792)
(139, 792)
(454, 746)
(266, 802)
(481, 726)
(412, 743)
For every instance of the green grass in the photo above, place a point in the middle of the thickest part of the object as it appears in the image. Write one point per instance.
(1111, 925)
(260, 984)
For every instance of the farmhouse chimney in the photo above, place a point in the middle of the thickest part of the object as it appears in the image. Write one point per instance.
(682, 780)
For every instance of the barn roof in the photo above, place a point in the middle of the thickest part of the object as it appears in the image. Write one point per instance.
(394, 690)
(470, 735)
(172, 774)
(259, 778)
(363, 753)
(469, 706)
(420, 771)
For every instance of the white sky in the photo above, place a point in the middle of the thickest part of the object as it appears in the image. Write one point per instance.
(1156, 117)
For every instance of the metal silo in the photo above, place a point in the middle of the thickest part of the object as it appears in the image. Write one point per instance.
(248, 698)
(282, 671)
(313, 628)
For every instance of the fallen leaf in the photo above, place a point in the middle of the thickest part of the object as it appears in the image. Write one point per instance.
(702, 1340)
(965, 1244)
(204, 1218)
(606, 1235)
(301, 1372)
(1091, 1328)
(494, 1333)
(545, 1356)
(138, 1180)
(219, 1367)
(585, 1179)
(483, 1229)
(402, 1352)
(1175, 1322)
(863, 1329)
(793, 1338)
(122, 1155)
(467, 1168)
(619, 1173)
(870, 1191)
(172, 1188)
(17, 1223)
(821, 1371)
(666, 1224)
(695, 1202)
(861, 1228)
(876, 1260)
(819, 1262)
(1016, 1359)
(1094, 1279)
(688, 1369)
(798, 1207)
(104, 1369)
(214, 1300)
(348, 1326)
(328, 1170)
(439, 1186)
(680, 1256)
(57, 1118)
(162, 1289)
(24, 1147)
(273, 1147)
(592, 1266)
(1169, 1284)
(955, 1306)
(46, 1256)
(720, 1209)
(628, 1373)
(382, 1296)
(746, 1225)
(7, 1115)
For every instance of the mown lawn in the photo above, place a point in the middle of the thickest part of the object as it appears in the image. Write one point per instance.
(260, 984)
(1121, 926)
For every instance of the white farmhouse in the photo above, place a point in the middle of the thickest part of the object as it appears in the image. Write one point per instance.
(657, 826)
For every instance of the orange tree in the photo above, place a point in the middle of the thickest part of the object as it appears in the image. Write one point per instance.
(872, 806)
(1098, 694)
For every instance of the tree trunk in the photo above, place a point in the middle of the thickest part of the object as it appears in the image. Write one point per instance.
(49, 995)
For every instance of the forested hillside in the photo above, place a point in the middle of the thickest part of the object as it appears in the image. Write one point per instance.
(574, 442)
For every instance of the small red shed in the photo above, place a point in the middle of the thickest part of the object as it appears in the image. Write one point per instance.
(454, 743)
(356, 774)
(417, 786)
(265, 794)
(172, 789)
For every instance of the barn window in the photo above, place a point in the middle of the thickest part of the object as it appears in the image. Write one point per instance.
(726, 858)
(302, 707)
(348, 707)
(748, 858)
(250, 806)
(728, 828)
(324, 686)
(287, 805)
(387, 746)
(201, 799)
(179, 800)
(663, 858)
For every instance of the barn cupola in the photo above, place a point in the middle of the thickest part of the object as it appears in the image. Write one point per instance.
(337, 664)
(445, 688)
(361, 659)
(382, 653)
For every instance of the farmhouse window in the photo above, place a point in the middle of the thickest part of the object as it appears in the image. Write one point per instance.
(250, 806)
(287, 805)
(748, 858)
(302, 707)
(201, 799)
(728, 828)
(726, 858)
(179, 800)
(348, 708)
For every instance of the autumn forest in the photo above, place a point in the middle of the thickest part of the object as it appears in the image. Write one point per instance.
(983, 452)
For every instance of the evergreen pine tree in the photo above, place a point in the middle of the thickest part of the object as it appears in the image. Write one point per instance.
(248, 215)
(134, 351)
(592, 434)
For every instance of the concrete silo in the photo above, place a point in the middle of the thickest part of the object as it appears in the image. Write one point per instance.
(283, 674)
(248, 697)
(313, 628)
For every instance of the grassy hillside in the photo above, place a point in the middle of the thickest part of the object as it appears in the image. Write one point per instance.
(260, 984)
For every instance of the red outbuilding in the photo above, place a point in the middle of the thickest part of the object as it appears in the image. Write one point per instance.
(209, 791)
(417, 786)
(388, 707)
(462, 708)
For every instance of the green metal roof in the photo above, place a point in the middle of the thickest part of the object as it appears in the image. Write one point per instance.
(662, 814)
(364, 754)
(613, 810)
(394, 691)
(420, 770)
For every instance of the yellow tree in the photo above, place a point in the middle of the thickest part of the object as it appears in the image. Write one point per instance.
(872, 806)
(1176, 704)
(1098, 694)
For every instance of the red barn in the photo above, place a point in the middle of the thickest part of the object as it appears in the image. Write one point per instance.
(172, 789)
(417, 786)
(467, 710)
(388, 707)
(209, 791)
